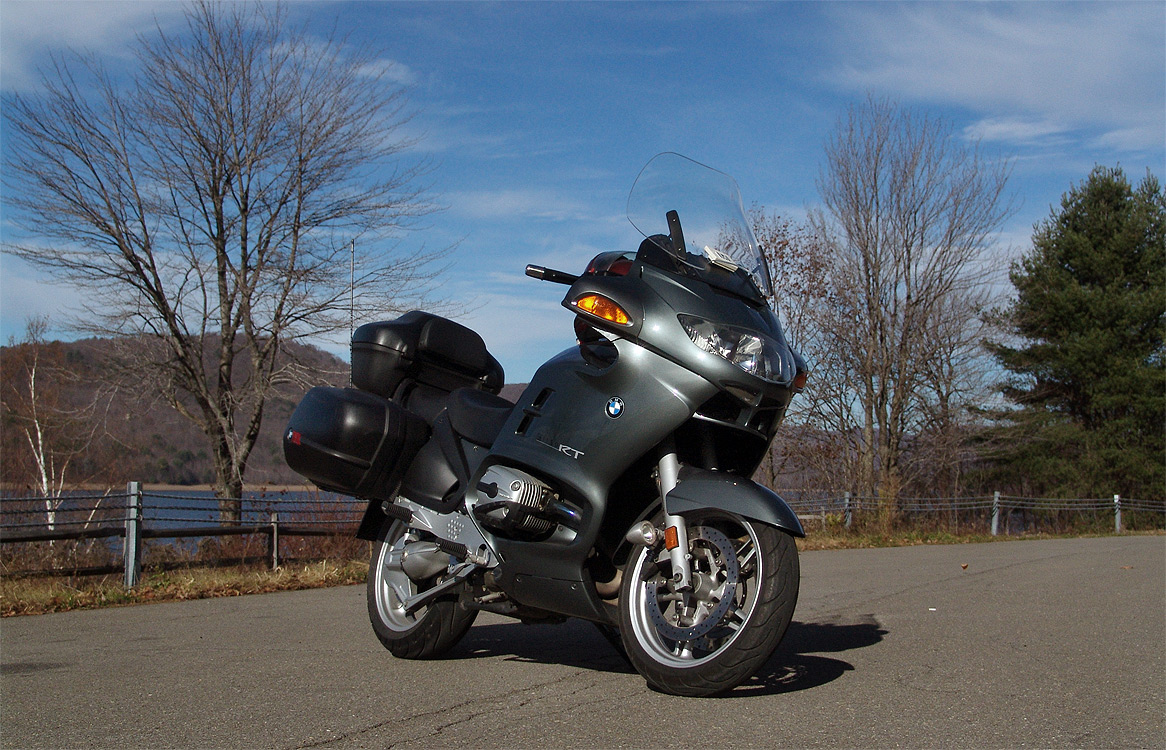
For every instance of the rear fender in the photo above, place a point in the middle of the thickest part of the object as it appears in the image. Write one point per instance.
(699, 489)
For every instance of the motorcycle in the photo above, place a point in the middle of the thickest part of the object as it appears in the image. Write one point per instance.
(617, 489)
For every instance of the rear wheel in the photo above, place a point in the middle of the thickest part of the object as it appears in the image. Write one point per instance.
(714, 637)
(426, 633)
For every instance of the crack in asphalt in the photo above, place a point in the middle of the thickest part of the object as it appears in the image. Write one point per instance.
(488, 705)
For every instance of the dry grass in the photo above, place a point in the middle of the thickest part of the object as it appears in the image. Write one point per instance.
(818, 538)
(28, 596)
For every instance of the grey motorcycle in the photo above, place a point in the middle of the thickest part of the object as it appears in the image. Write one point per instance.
(617, 489)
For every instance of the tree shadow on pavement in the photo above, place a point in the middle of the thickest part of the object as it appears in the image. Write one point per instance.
(580, 644)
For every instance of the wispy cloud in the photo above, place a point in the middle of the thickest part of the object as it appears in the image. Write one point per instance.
(515, 204)
(24, 294)
(1055, 65)
(1016, 130)
(30, 28)
(390, 70)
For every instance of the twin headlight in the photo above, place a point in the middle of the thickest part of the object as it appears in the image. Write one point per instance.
(752, 351)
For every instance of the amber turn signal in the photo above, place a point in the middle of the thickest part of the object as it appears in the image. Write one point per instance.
(800, 380)
(602, 307)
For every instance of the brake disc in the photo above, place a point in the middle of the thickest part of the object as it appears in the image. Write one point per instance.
(731, 569)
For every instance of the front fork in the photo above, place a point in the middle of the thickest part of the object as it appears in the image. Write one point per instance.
(675, 530)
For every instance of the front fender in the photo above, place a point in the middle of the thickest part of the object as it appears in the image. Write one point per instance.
(698, 489)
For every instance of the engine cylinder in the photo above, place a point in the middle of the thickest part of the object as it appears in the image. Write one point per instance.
(512, 503)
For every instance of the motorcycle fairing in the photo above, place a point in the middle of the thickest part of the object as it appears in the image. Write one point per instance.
(699, 489)
(560, 432)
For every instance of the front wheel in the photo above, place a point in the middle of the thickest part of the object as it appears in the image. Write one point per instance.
(426, 633)
(715, 636)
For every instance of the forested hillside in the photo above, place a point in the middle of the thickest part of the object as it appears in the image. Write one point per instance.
(92, 431)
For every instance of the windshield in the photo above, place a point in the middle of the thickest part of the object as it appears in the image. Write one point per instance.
(716, 237)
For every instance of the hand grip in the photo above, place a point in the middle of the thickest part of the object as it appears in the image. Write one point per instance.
(550, 274)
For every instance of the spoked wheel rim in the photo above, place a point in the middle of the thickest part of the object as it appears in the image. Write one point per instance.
(684, 630)
(392, 585)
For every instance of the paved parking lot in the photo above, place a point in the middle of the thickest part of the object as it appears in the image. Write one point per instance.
(1057, 643)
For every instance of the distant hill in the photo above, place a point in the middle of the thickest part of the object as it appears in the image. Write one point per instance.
(513, 392)
(137, 435)
(141, 437)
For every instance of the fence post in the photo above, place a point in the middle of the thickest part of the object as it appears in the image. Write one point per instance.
(274, 540)
(996, 513)
(133, 542)
(1117, 513)
(846, 508)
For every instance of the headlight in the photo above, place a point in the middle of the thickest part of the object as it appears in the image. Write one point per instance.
(752, 351)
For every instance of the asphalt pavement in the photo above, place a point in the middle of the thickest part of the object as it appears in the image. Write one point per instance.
(1055, 643)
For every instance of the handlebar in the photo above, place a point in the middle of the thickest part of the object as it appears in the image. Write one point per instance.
(549, 274)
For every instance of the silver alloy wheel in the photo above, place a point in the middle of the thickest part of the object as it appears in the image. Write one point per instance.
(392, 585)
(684, 630)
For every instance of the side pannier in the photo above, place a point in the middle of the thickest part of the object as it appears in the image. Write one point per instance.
(352, 442)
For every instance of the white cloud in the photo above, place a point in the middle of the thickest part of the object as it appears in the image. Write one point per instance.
(1047, 65)
(1016, 130)
(30, 29)
(391, 71)
(1130, 139)
(515, 204)
(523, 326)
(26, 293)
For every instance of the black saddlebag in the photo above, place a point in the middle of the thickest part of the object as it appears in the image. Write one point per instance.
(352, 442)
(419, 358)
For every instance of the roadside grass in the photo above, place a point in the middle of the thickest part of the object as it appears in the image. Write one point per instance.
(41, 595)
(817, 539)
(29, 596)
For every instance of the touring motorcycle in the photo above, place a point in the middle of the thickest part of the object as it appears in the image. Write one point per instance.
(617, 489)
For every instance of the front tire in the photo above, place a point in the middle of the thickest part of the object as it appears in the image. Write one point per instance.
(426, 633)
(713, 638)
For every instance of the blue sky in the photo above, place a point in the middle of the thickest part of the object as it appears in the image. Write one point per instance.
(537, 116)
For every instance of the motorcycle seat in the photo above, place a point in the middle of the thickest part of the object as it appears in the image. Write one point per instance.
(477, 415)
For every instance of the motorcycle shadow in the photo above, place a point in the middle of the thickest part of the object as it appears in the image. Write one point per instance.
(796, 665)
(574, 643)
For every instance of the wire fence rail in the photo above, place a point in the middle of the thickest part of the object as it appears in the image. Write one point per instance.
(998, 512)
(137, 515)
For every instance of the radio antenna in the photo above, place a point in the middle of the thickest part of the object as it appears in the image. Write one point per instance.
(352, 292)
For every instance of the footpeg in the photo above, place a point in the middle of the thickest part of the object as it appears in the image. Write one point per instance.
(460, 573)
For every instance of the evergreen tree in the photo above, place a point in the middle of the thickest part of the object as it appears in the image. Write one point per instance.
(1087, 362)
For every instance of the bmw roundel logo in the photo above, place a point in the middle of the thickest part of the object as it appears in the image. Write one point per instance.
(615, 407)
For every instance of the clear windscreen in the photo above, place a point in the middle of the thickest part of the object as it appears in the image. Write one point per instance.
(716, 233)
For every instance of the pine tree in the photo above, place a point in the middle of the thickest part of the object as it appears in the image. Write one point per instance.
(1088, 364)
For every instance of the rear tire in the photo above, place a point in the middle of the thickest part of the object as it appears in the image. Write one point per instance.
(427, 633)
(712, 639)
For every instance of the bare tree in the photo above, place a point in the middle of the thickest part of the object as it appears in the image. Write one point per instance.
(909, 211)
(204, 209)
(819, 447)
(55, 428)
